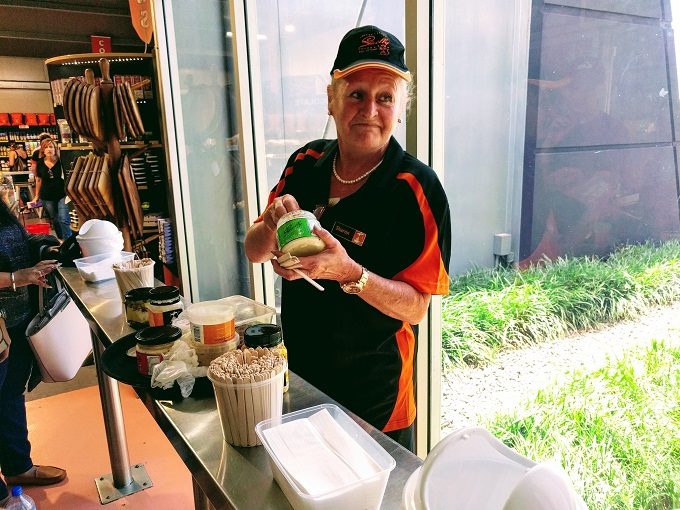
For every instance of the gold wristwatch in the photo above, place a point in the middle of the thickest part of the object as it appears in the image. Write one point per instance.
(358, 286)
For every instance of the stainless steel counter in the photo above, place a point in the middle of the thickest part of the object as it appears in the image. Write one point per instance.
(226, 476)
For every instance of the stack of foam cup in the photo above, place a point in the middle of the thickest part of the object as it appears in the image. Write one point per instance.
(213, 330)
(248, 389)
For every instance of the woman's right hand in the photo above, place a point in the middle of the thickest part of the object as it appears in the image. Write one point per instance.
(280, 206)
(35, 275)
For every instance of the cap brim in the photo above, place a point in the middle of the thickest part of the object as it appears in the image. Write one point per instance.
(337, 73)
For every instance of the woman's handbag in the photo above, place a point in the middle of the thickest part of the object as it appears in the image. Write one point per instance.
(59, 337)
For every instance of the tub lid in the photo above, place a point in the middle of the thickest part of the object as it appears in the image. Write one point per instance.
(210, 312)
(138, 294)
(157, 335)
(164, 293)
(262, 335)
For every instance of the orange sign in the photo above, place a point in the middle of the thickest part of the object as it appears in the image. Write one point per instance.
(140, 12)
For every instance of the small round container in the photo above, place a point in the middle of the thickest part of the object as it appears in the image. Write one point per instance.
(136, 301)
(207, 353)
(294, 234)
(212, 322)
(164, 305)
(267, 335)
(152, 344)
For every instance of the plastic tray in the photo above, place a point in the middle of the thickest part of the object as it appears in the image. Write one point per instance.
(365, 494)
(97, 268)
(248, 312)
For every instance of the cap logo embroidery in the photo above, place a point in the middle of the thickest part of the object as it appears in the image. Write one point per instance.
(368, 43)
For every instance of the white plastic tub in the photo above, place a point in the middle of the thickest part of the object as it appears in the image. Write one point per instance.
(212, 322)
(365, 494)
(97, 268)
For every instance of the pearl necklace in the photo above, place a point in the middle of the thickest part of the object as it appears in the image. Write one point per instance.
(352, 181)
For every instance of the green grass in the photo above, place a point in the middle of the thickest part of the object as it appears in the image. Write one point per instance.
(616, 431)
(492, 309)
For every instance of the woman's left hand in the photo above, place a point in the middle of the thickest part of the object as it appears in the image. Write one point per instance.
(35, 275)
(333, 263)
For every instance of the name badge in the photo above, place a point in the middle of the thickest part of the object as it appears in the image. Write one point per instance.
(349, 234)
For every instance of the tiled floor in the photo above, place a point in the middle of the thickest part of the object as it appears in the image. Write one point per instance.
(66, 429)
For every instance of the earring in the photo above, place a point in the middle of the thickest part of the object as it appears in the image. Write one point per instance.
(329, 112)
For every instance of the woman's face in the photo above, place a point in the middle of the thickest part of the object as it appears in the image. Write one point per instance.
(50, 150)
(365, 106)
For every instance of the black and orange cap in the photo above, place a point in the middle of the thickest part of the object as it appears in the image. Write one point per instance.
(370, 47)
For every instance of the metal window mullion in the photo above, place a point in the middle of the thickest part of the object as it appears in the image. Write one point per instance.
(250, 115)
(170, 103)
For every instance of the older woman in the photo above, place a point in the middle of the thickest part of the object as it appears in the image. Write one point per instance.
(49, 186)
(386, 227)
(20, 268)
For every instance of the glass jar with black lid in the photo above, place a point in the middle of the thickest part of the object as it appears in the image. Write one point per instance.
(136, 301)
(269, 336)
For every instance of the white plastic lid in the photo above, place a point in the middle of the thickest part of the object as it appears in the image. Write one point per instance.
(210, 312)
(469, 470)
(98, 229)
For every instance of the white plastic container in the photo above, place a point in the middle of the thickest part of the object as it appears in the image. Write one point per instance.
(242, 406)
(212, 322)
(100, 245)
(97, 268)
(99, 236)
(468, 470)
(248, 312)
(366, 494)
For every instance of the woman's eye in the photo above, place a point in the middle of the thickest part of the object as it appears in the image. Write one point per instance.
(387, 98)
(355, 94)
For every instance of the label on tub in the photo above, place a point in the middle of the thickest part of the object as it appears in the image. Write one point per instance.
(213, 333)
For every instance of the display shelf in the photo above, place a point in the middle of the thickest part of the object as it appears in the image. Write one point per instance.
(108, 73)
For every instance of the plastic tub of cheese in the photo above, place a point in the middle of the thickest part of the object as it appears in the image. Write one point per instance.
(323, 460)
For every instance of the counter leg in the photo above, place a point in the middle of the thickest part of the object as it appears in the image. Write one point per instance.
(200, 499)
(123, 481)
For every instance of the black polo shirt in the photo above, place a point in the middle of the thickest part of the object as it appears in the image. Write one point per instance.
(398, 226)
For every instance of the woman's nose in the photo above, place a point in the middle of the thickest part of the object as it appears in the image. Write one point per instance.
(370, 108)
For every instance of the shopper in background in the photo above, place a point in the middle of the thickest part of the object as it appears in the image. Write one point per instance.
(36, 153)
(19, 269)
(18, 162)
(386, 227)
(49, 187)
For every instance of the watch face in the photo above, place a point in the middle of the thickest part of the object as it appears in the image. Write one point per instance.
(352, 288)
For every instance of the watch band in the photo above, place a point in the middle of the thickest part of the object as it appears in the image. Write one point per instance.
(358, 286)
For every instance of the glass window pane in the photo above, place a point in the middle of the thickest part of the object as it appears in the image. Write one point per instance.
(600, 169)
(601, 82)
(588, 202)
(204, 59)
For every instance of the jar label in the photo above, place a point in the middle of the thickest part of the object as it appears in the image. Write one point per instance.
(293, 229)
(211, 334)
(146, 362)
(163, 318)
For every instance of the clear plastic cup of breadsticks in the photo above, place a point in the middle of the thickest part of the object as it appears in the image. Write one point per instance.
(248, 389)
